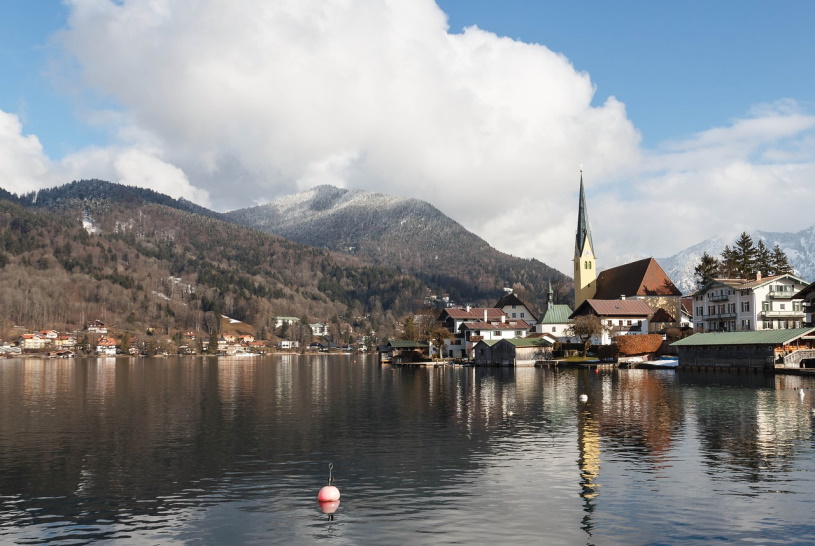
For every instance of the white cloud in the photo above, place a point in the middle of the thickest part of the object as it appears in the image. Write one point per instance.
(23, 165)
(246, 100)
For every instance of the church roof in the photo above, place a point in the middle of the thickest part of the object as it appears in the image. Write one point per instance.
(557, 314)
(640, 278)
(583, 229)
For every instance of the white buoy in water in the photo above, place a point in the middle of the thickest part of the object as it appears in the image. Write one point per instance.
(584, 398)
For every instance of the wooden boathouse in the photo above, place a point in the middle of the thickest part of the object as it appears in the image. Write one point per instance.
(764, 349)
(523, 351)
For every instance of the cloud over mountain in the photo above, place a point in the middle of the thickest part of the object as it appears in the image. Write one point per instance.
(230, 103)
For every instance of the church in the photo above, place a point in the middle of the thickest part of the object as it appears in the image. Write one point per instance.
(643, 280)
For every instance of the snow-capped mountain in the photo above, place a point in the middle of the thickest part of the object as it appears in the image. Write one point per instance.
(799, 247)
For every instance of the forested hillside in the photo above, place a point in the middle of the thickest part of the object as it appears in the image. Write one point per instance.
(410, 235)
(136, 265)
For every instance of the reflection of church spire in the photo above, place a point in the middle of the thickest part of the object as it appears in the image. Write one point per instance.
(588, 443)
(550, 297)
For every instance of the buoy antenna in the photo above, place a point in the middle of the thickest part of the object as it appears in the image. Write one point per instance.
(330, 476)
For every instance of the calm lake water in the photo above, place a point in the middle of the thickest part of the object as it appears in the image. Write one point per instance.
(234, 451)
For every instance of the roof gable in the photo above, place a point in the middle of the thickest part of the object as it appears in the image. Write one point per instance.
(640, 278)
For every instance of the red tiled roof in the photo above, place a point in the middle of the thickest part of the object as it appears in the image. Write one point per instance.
(614, 308)
(640, 278)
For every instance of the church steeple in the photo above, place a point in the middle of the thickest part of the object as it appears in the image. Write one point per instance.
(583, 229)
(585, 272)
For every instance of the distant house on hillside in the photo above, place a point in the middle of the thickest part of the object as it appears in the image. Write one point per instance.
(280, 321)
(97, 327)
(106, 346)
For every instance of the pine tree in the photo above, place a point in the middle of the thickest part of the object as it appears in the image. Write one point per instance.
(706, 270)
(763, 263)
(745, 256)
(727, 265)
(780, 265)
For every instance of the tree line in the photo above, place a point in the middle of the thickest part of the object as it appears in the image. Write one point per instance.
(744, 260)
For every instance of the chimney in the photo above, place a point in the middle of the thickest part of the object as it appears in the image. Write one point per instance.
(485, 315)
(758, 275)
(503, 319)
(468, 308)
(622, 297)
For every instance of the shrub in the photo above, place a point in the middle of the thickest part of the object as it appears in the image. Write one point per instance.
(638, 345)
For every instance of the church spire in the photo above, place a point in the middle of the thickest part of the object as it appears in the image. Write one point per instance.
(583, 229)
(585, 271)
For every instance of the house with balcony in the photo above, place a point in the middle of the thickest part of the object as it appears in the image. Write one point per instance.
(807, 296)
(620, 317)
(763, 303)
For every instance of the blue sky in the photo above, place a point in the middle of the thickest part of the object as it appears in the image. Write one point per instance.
(664, 103)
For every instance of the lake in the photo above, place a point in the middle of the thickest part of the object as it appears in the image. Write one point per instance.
(234, 451)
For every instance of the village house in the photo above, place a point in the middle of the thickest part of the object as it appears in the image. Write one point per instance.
(31, 342)
(106, 346)
(763, 303)
(280, 321)
(620, 317)
(97, 327)
(514, 308)
(286, 345)
(470, 325)
(807, 296)
(319, 329)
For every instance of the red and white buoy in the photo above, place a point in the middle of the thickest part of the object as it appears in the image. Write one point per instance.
(329, 493)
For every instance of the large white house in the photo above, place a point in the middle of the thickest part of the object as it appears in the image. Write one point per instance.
(471, 325)
(730, 305)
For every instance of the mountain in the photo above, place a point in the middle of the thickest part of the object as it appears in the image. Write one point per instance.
(407, 234)
(799, 247)
(139, 261)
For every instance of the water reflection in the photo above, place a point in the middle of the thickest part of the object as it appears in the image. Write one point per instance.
(237, 448)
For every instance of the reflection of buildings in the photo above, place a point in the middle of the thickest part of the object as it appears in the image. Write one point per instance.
(588, 444)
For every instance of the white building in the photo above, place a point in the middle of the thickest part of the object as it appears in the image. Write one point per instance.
(319, 329)
(620, 317)
(729, 305)
(472, 324)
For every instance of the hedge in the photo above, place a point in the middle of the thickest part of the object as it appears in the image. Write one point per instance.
(638, 344)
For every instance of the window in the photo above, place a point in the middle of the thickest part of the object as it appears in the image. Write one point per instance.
(628, 323)
(781, 306)
(745, 306)
(513, 315)
(523, 315)
(513, 307)
(554, 329)
(498, 333)
(610, 322)
(765, 306)
(700, 310)
(620, 322)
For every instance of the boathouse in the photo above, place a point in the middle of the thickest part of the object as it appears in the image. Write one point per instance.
(766, 349)
(512, 352)
(401, 351)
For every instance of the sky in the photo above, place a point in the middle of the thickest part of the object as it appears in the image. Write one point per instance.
(690, 120)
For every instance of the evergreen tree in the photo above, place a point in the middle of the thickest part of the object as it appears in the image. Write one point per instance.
(212, 346)
(124, 343)
(706, 270)
(763, 259)
(727, 265)
(780, 265)
(745, 255)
